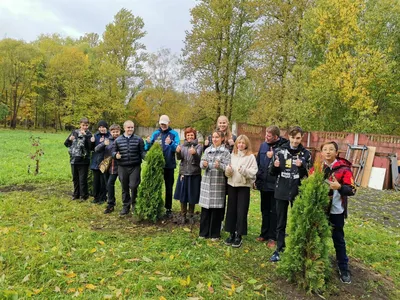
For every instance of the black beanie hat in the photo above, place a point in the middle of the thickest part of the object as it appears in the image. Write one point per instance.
(102, 123)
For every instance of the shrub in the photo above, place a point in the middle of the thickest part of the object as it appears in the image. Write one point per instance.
(149, 203)
(305, 260)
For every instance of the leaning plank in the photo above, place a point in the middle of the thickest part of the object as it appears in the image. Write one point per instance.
(368, 166)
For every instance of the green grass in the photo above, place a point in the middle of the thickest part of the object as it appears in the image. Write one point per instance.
(53, 248)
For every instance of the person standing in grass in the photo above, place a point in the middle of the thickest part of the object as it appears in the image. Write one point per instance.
(188, 186)
(110, 175)
(79, 146)
(213, 184)
(241, 175)
(265, 183)
(339, 176)
(99, 184)
(169, 140)
(129, 151)
(292, 163)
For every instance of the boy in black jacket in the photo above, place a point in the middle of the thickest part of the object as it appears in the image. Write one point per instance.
(79, 145)
(292, 162)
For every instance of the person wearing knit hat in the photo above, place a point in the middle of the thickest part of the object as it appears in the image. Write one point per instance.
(99, 184)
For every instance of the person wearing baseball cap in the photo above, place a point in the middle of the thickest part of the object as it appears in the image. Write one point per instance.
(169, 140)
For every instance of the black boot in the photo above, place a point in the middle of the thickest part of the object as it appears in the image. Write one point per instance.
(229, 241)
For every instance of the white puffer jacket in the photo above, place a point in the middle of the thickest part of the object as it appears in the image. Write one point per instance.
(244, 170)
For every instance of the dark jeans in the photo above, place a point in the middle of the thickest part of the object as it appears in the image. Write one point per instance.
(130, 180)
(210, 222)
(99, 186)
(268, 214)
(238, 208)
(281, 212)
(79, 179)
(110, 180)
(169, 183)
(337, 222)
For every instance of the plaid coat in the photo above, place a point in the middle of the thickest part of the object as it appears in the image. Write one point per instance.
(213, 182)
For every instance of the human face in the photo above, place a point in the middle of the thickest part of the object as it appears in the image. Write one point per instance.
(329, 153)
(295, 140)
(129, 128)
(270, 138)
(102, 129)
(84, 126)
(223, 124)
(164, 127)
(216, 139)
(115, 133)
(190, 137)
(241, 145)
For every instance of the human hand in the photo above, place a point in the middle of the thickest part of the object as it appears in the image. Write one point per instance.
(205, 164)
(71, 138)
(299, 162)
(216, 164)
(118, 155)
(334, 184)
(168, 140)
(192, 150)
(106, 142)
(92, 139)
(178, 149)
(277, 163)
(102, 139)
(270, 154)
(148, 140)
(229, 170)
(231, 142)
(206, 142)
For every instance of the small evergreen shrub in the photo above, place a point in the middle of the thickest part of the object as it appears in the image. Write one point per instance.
(305, 260)
(149, 203)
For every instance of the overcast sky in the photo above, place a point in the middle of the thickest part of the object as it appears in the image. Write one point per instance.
(165, 20)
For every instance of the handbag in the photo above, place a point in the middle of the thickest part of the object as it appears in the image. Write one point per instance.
(105, 164)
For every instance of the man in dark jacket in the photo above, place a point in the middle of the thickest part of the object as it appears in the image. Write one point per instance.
(291, 165)
(169, 140)
(265, 183)
(79, 146)
(129, 151)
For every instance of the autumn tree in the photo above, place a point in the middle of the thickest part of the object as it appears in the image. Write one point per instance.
(217, 51)
(18, 69)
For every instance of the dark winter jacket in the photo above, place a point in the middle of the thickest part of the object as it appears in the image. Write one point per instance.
(288, 174)
(108, 150)
(190, 164)
(83, 142)
(264, 180)
(131, 150)
(97, 157)
(341, 169)
(168, 150)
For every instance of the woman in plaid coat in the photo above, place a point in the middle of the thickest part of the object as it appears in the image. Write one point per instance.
(213, 184)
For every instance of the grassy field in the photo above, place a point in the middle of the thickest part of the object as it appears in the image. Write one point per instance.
(54, 248)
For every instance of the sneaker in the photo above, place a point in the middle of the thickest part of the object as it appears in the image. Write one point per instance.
(95, 201)
(237, 242)
(345, 276)
(124, 211)
(109, 209)
(201, 237)
(275, 257)
(75, 198)
(271, 244)
(229, 241)
(168, 213)
(215, 239)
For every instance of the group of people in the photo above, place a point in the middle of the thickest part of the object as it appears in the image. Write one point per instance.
(229, 169)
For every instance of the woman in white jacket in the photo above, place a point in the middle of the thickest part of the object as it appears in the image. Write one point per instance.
(241, 175)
